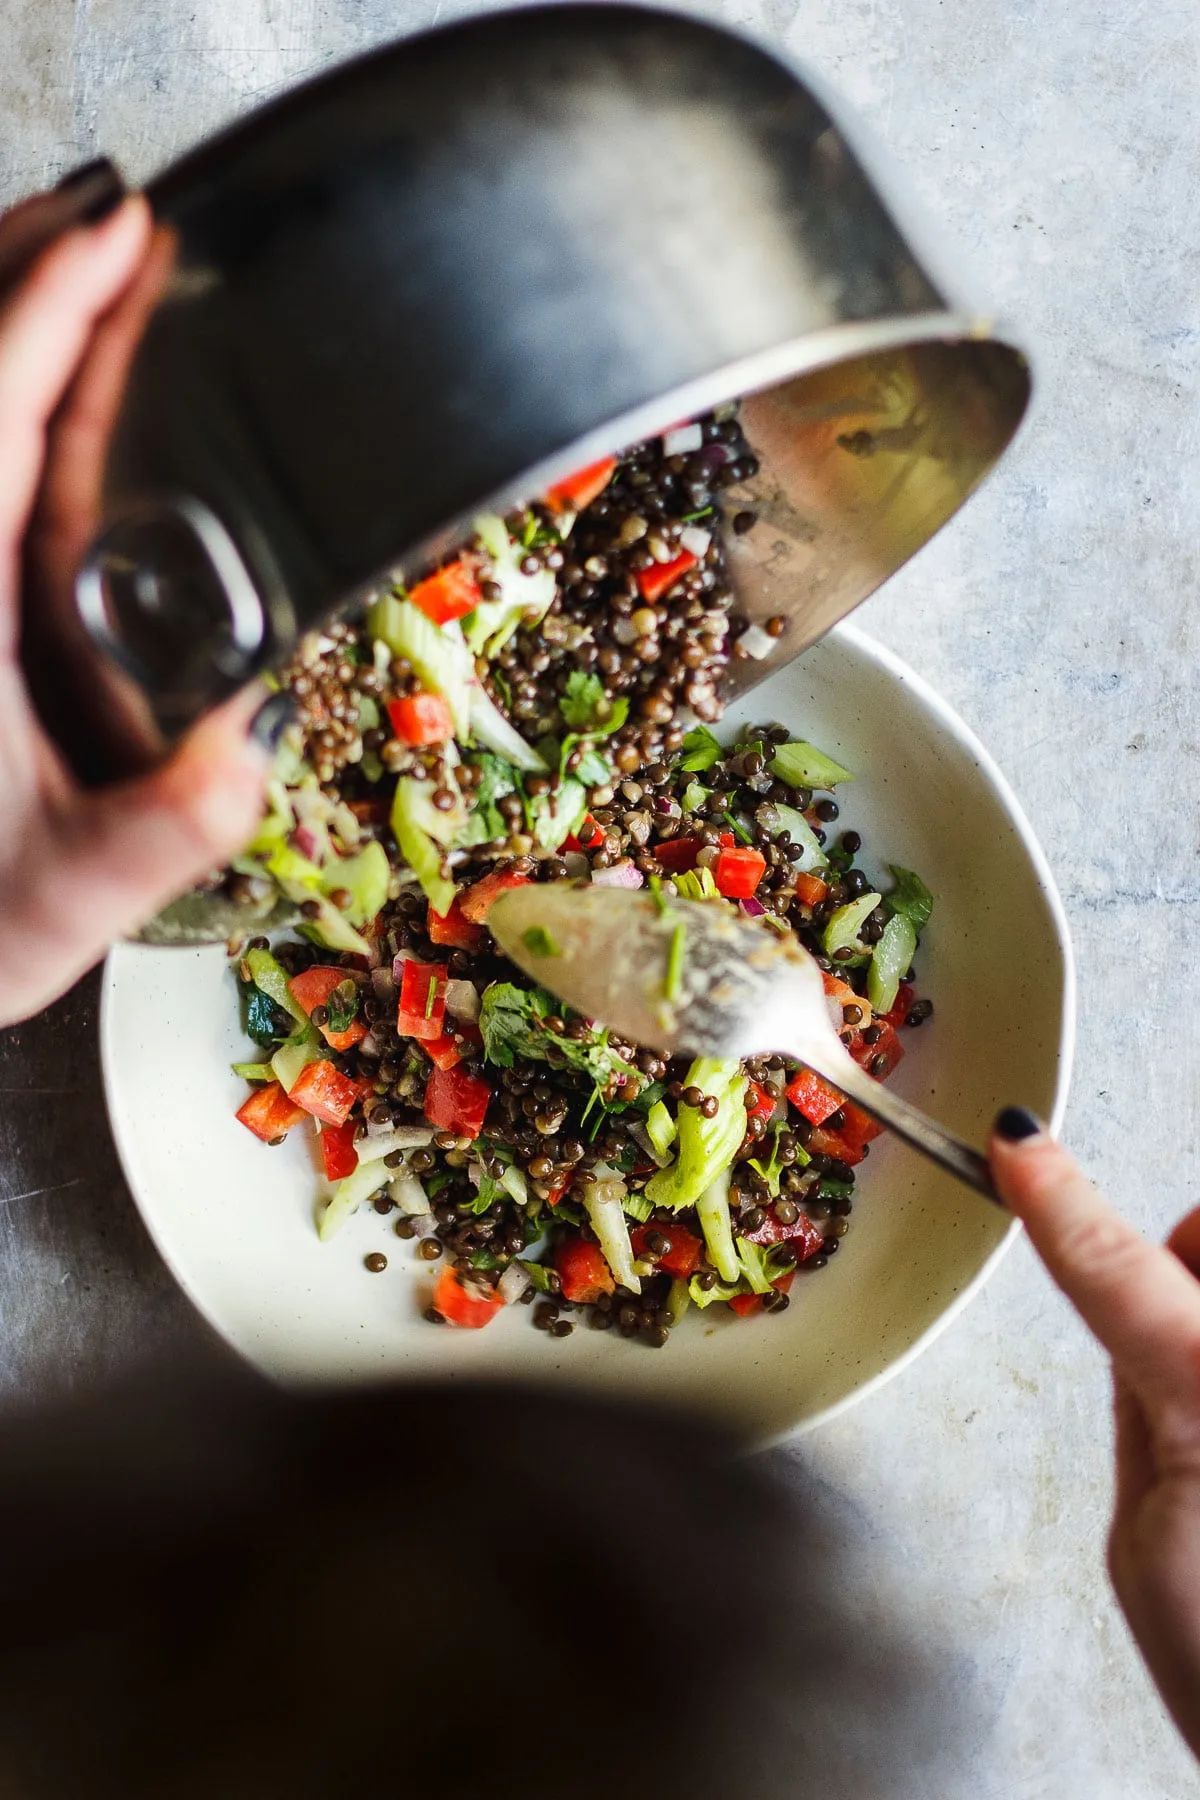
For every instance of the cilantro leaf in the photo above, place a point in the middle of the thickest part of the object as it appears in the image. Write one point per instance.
(910, 898)
(342, 1005)
(264, 1022)
(700, 751)
(511, 1020)
(586, 707)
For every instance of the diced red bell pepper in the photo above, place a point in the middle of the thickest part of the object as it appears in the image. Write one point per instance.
(269, 1112)
(848, 1141)
(677, 853)
(421, 718)
(583, 1271)
(590, 837)
(744, 1304)
(422, 1010)
(684, 1252)
(450, 1048)
(312, 988)
(559, 1188)
(457, 1102)
(738, 872)
(463, 1299)
(803, 1234)
(900, 1006)
(580, 489)
(449, 594)
(454, 929)
(655, 581)
(812, 1096)
(338, 1152)
(324, 1092)
(811, 890)
(887, 1045)
(476, 901)
(764, 1101)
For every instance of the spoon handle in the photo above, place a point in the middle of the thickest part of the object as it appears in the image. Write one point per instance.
(915, 1127)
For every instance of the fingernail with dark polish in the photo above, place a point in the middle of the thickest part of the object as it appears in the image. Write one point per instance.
(272, 720)
(97, 187)
(1015, 1123)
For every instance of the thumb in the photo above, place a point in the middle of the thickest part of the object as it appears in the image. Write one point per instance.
(126, 851)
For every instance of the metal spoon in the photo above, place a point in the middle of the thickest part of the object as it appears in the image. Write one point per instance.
(693, 976)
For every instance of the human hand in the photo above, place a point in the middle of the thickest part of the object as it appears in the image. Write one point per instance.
(81, 867)
(1143, 1303)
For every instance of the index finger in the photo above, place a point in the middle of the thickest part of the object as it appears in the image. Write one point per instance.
(1137, 1298)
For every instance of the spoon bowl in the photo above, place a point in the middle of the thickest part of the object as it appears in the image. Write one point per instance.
(693, 976)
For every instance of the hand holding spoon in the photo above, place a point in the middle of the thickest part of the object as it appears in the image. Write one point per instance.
(694, 977)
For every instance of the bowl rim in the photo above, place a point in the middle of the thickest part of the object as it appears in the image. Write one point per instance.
(957, 728)
(965, 738)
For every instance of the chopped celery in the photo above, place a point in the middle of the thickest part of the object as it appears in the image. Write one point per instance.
(753, 1261)
(696, 884)
(778, 818)
(638, 1207)
(490, 728)
(602, 1198)
(694, 796)
(514, 1183)
(679, 1299)
(706, 1146)
(333, 932)
(290, 1058)
(803, 765)
(276, 823)
(349, 1195)
(720, 1290)
(556, 815)
(253, 1071)
(413, 818)
(271, 978)
(368, 713)
(712, 1209)
(890, 958)
(436, 652)
(294, 874)
(523, 598)
(910, 897)
(660, 1128)
(364, 877)
(841, 933)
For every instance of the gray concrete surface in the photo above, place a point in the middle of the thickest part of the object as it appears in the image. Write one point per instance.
(1057, 142)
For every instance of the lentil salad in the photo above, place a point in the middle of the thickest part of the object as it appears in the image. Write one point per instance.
(539, 710)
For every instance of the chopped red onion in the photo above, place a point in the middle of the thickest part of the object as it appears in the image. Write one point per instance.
(383, 1138)
(307, 842)
(370, 1045)
(756, 642)
(406, 1192)
(513, 1283)
(621, 875)
(384, 984)
(683, 440)
(462, 999)
(753, 909)
(696, 541)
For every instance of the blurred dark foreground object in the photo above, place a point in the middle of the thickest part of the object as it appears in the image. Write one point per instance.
(440, 1592)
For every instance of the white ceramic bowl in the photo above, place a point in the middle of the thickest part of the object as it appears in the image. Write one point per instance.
(234, 1220)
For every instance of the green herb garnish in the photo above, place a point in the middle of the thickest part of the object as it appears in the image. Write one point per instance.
(674, 975)
(538, 942)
